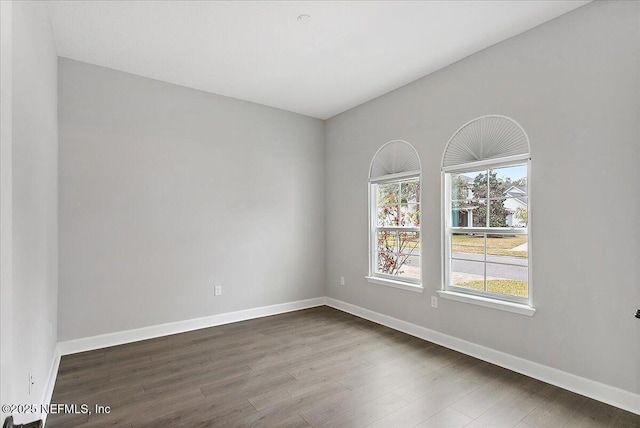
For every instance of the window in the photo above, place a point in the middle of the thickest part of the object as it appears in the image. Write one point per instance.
(486, 213)
(394, 214)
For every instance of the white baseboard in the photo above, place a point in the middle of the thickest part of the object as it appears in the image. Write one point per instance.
(51, 382)
(598, 391)
(135, 335)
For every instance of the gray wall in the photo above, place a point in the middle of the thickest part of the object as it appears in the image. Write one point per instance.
(31, 288)
(573, 84)
(166, 191)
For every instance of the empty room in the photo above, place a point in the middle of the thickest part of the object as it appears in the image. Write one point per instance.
(320, 214)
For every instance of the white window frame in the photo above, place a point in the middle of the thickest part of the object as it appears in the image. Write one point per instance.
(395, 281)
(483, 298)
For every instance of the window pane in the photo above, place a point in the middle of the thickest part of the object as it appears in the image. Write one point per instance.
(518, 211)
(410, 191)
(388, 215)
(511, 179)
(468, 213)
(516, 174)
(469, 185)
(508, 249)
(386, 241)
(399, 253)
(387, 252)
(465, 246)
(409, 215)
(409, 243)
(388, 193)
(508, 280)
(408, 265)
(399, 215)
(465, 273)
(460, 187)
(460, 216)
(398, 264)
(387, 262)
(478, 213)
(496, 186)
(497, 213)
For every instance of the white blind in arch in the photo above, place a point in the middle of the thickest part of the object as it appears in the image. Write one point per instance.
(487, 137)
(394, 157)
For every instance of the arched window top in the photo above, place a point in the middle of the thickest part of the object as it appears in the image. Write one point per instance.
(394, 158)
(485, 138)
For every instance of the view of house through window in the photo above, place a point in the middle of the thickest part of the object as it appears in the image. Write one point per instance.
(397, 229)
(487, 231)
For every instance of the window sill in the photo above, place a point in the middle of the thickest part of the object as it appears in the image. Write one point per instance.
(516, 308)
(416, 288)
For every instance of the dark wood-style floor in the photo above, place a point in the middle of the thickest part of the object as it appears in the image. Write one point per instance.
(318, 367)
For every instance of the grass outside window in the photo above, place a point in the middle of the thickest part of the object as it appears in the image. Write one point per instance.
(496, 246)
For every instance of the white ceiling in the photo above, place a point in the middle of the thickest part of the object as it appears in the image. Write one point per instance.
(347, 53)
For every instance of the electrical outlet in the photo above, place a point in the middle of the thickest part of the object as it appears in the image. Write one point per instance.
(434, 302)
(32, 383)
(217, 290)
(342, 280)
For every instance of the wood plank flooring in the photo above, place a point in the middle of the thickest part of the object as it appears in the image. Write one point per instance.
(318, 367)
